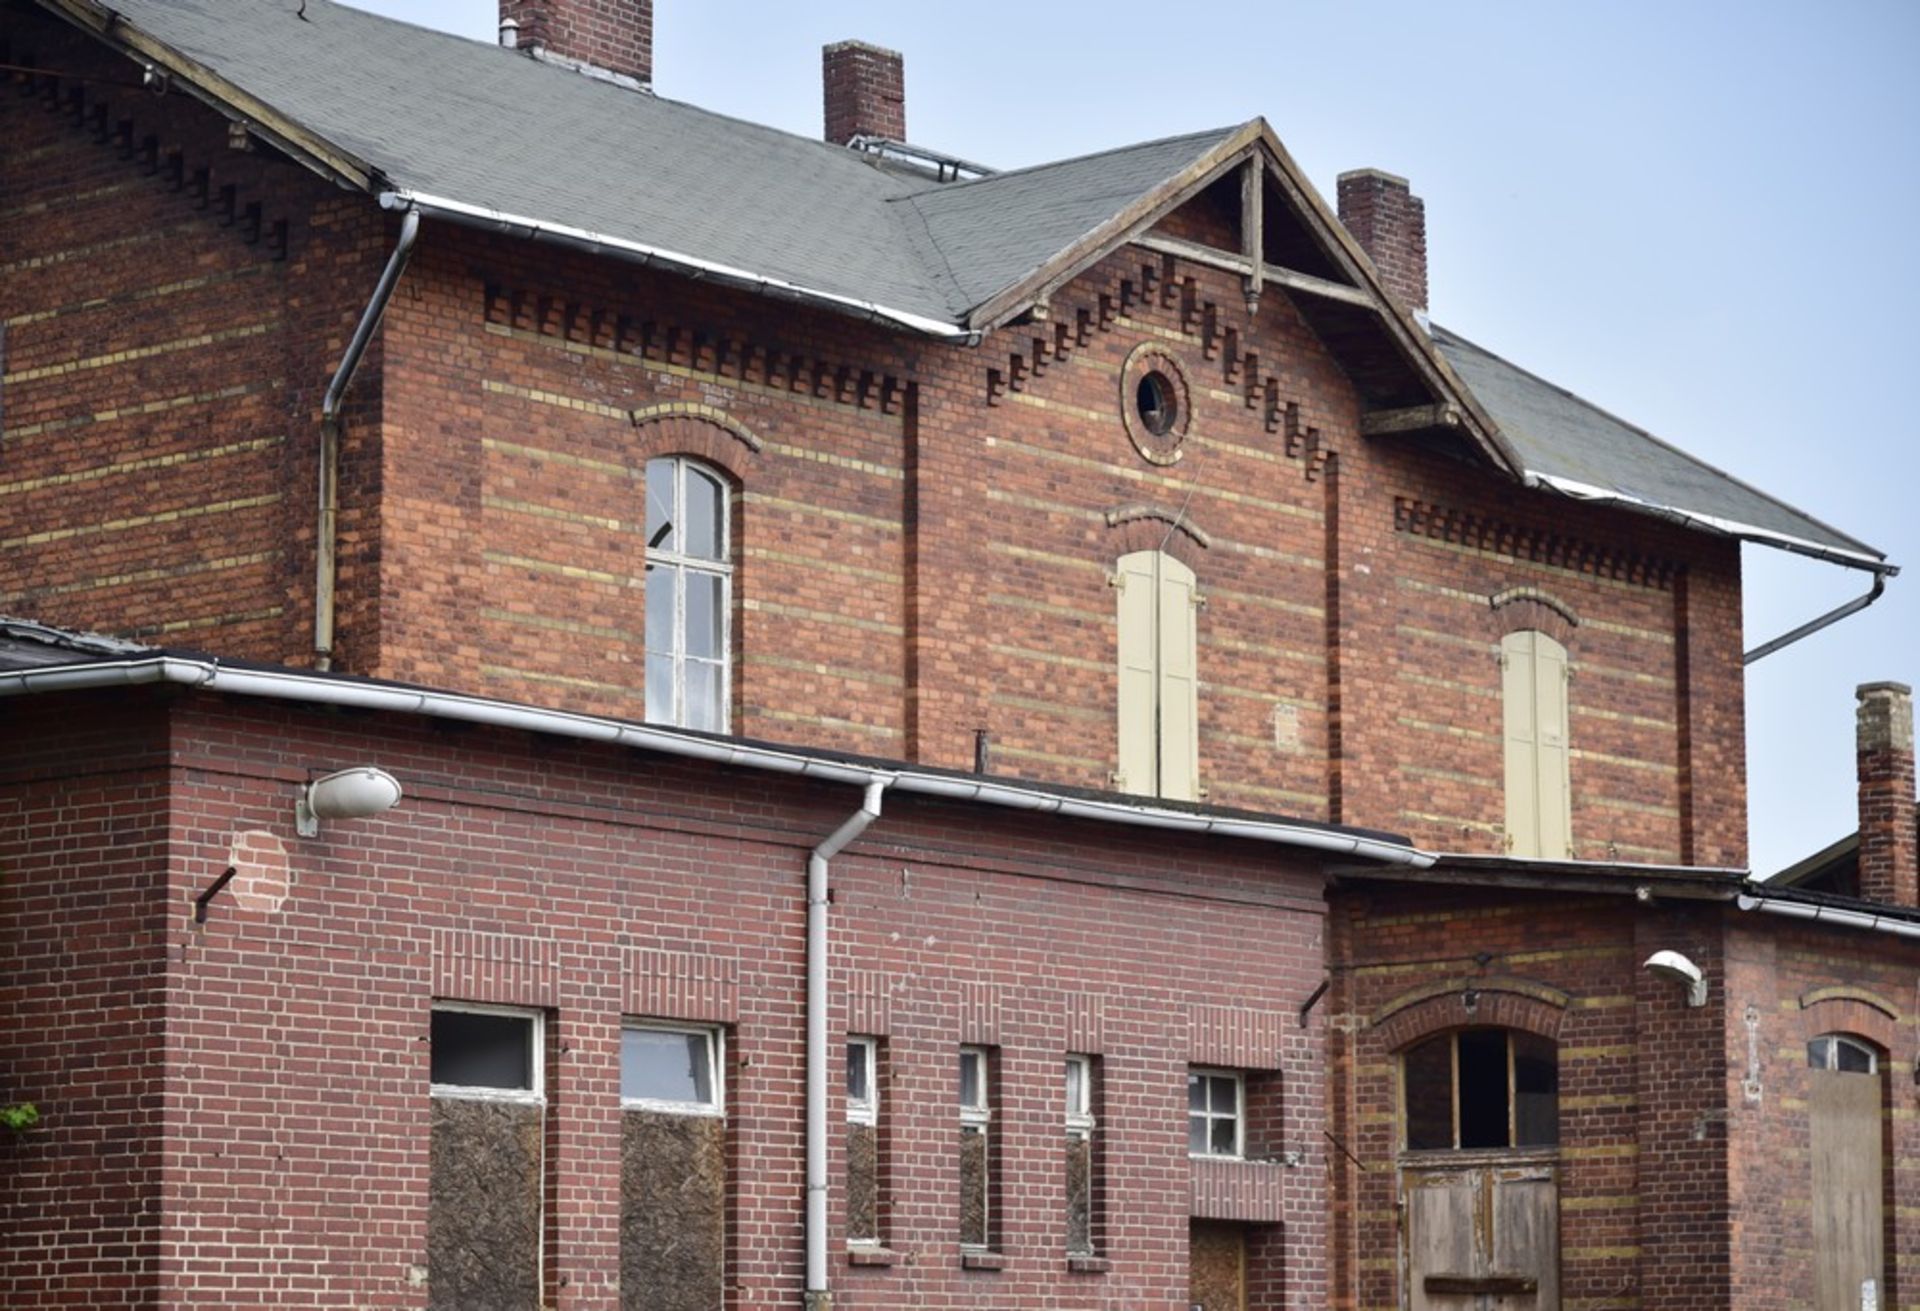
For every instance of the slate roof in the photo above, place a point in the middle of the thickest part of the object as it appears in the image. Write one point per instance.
(440, 117)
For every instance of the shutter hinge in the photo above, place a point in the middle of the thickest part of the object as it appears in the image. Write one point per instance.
(1500, 658)
(1117, 579)
(1506, 842)
(1199, 600)
(1118, 780)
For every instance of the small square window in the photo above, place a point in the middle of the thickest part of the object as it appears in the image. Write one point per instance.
(483, 1051)
(671, 1069)
(1214, 1099)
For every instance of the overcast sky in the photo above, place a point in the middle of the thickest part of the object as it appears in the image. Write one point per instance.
(1703, 216)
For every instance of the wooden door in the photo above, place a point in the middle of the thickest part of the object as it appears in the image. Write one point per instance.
(1844, 1133)
(1482, 1237)
(1216, 1266)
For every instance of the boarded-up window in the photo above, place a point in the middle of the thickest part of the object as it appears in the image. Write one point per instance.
(486, 1160)
(673, 1170)
(1534, 712)
(863, 1141)
(1846, 1140)
(1158, 732)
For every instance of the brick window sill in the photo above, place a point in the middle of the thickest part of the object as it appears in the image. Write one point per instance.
(1088, 1265)
(983, 1261)
(871, 1256)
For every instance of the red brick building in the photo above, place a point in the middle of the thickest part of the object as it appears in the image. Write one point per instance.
(648, 492)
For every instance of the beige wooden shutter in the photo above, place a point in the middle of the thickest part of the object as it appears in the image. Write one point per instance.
(1522, 753)
(1135, 581)
(1554, 790)
(1179, 701)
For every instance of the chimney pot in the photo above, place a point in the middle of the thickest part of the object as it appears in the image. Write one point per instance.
(1390, 223)
(865, 92)
(1883, 745)
(510, 34)
(614, 35)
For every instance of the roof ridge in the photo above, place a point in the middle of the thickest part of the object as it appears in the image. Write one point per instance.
(1659, 441)
(947, 188)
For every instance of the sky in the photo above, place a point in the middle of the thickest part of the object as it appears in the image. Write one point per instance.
(1703, 216)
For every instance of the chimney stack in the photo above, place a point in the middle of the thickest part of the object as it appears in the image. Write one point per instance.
(613, 35)
(866, 92)
(1883, 744)
(1390, 223)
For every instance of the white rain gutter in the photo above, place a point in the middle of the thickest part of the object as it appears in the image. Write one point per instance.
(1848, 919)
(599, 243)
(313, 689)
(819, 1296)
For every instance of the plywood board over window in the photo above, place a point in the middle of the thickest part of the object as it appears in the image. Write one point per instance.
(1158, 693)
(1539, 789)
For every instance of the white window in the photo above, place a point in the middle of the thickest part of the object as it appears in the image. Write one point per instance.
(976, 1149)
(1158, 734)
(1081, 1160)
(1534, 711)
(663, 1068)
(863, 1093)
(689, 595)
(1836, 1051)
(1215, 1123)
(486, 1051)
(1079, 1096)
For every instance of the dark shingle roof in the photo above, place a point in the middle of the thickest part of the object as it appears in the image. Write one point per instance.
(492, 131)
(1580, 449)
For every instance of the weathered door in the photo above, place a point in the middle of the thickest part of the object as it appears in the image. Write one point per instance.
(1483, 1237)
(1216, 1266)
(1844, 1131)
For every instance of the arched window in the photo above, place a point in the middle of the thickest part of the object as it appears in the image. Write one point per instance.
(1539, 788)
(689, 595)
(1836, 1051)
(1481, 1089)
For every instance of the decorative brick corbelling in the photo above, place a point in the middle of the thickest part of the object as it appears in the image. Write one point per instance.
(1500, 536)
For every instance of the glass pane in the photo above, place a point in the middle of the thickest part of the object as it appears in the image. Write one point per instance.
(1226, 1094)
(1221, 1140)
(663, 611)
(482, 1051)
(1196, 1093)
(1536, 1092)
(1483, 1089)
(705, 611)
(857, 1072)
(666, 1067)
(1429, 1091)
(1854, 1058)
(702, 710)
(972, 1092)
(1076, 1088)
(660, 689)
(1197, 1134)
(660, 534)
(705, 508)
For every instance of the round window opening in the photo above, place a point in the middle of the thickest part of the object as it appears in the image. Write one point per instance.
(1158, 403)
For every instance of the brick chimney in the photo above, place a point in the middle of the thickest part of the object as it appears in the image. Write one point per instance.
(866, 92)
(1883, 745)
(615, 35)
(1390, 223)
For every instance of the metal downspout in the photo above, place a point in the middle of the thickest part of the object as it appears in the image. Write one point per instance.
(818, 1296)
(1832, 616)
(324, 540)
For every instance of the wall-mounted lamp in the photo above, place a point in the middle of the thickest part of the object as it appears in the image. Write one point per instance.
(1672, 965)
(357, 793)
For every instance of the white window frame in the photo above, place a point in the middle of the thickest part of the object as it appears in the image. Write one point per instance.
(1239, 1117)
(866, 1110)
(1834, 1042)
(679, 563)
(534, 1096)
(977, 1117)
(1080, 1122)
(717, 1071)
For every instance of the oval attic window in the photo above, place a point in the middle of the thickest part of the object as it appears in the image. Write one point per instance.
(1155, 400)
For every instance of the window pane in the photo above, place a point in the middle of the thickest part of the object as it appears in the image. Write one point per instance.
(663, 611)
(1197, 1134)
(1221, 1141)
(666, 1067)
(1076, 1088)
(705, 505)
(1483, 1088)
(660, 689)
(857, 1072)
(1429, 1080)
(1854, 1059)
(972, 1081)
(482, 1051)
(703, 695)
(705, 612)
(1536, 1092)
(1196, 1093)
(660, 533)
(1226, 1095)
(1820, 1053)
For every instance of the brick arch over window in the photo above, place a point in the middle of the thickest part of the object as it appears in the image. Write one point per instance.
(1500, 1002)
(1520, 609)
(1138, 527)
(698, 431)
(1852, 1011)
